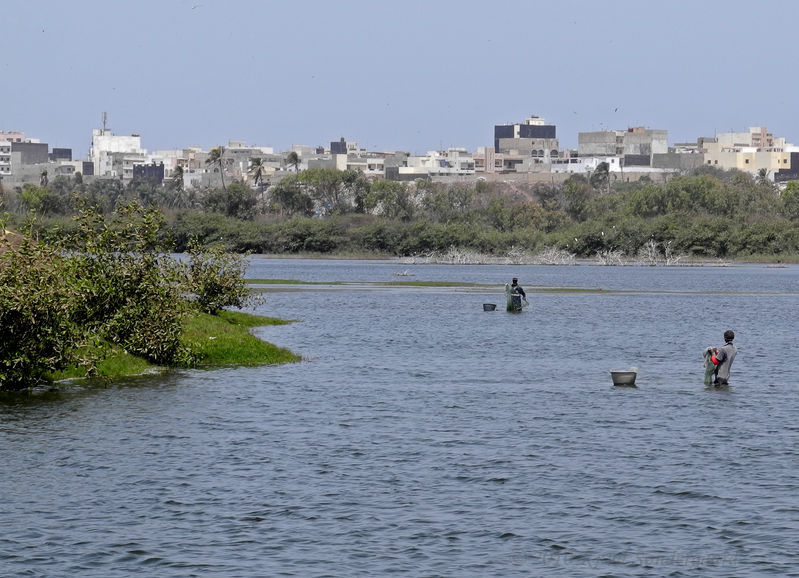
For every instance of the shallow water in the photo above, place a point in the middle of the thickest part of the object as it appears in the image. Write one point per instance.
(423, 436)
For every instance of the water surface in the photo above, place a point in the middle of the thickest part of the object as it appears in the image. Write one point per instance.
(422, 436)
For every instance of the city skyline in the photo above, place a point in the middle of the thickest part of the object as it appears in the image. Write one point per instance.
(413, 77)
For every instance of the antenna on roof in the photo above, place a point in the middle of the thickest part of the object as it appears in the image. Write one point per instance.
(105, 121)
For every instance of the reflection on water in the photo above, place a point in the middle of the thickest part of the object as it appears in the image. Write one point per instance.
(425, 436)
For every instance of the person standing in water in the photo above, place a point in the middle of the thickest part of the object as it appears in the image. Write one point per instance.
(723, 358)
(516, 296)
(516, 288)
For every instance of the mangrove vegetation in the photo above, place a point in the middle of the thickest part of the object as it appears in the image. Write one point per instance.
(105, 296)
(707, 214)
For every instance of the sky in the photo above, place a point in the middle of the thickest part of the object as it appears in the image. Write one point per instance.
(412, 76)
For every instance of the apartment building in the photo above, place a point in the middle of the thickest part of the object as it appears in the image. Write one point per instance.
(5, 158)
(115, 156)
(12, 136)
(452, 162)
(751, 151)
(636, 145)
(533, 138)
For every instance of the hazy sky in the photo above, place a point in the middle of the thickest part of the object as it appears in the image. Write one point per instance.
(412, 76)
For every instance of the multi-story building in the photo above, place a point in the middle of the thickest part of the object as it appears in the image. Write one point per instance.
(153, 172)
(114, 155)
(5, 158)
(636, 145)
(31, 152)
(750, 151)
(237, 159)
(12, 136)
(452, 162)
(533, 138)
(60, 154)
(756, 137)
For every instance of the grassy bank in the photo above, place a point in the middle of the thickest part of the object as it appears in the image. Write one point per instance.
(214, 340)
(225, 339)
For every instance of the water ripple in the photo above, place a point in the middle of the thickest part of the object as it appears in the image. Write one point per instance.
(450, 442)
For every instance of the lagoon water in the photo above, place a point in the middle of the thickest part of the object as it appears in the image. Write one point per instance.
(423, 436)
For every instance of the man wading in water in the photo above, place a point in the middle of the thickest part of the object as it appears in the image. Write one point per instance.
(723, 358)
(516, 296)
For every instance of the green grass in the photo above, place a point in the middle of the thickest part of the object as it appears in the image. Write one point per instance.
(224, 339)
(113, 362)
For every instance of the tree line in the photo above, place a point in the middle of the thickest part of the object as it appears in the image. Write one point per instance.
(708, 213)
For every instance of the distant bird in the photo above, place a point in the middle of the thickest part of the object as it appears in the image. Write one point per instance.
(616, 109)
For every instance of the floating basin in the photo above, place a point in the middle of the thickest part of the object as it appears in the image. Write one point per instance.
(626, 377)
(489, 307)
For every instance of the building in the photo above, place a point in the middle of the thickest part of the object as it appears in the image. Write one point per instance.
(60, 154)
(31, 152)
(531, 139)
(5, 158)
(12, 136)
(338, 148)
(750, 151)
(452, 162)
(791, 173)
(153, 172)
(636, 145)
(23, 160)
(678, 158)
(757, 137)
(237, 159)
(115, 156)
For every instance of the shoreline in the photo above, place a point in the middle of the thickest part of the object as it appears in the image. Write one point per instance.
(783, 262)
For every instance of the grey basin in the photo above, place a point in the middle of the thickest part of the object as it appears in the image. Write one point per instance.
(623, 377)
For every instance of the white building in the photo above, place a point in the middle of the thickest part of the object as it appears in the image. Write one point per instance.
(114, 155)
(585, 165)
(370, 165)
(757, 137)
(453, 161)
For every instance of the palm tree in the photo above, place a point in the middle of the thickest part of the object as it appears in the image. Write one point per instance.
(177, 178)
(763, 177)
(256, 170)
(215, 158)
(293, 159)
(601, 177)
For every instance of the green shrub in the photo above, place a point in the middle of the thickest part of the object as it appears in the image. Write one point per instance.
(129, 287)
(216, 278)
(38, 332)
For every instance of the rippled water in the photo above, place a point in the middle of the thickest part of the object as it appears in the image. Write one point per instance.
(423, 436)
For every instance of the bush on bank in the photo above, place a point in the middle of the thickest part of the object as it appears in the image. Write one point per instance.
(39, 331)
(106, 288)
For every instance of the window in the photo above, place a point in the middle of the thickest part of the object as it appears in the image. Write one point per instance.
(747, 161)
